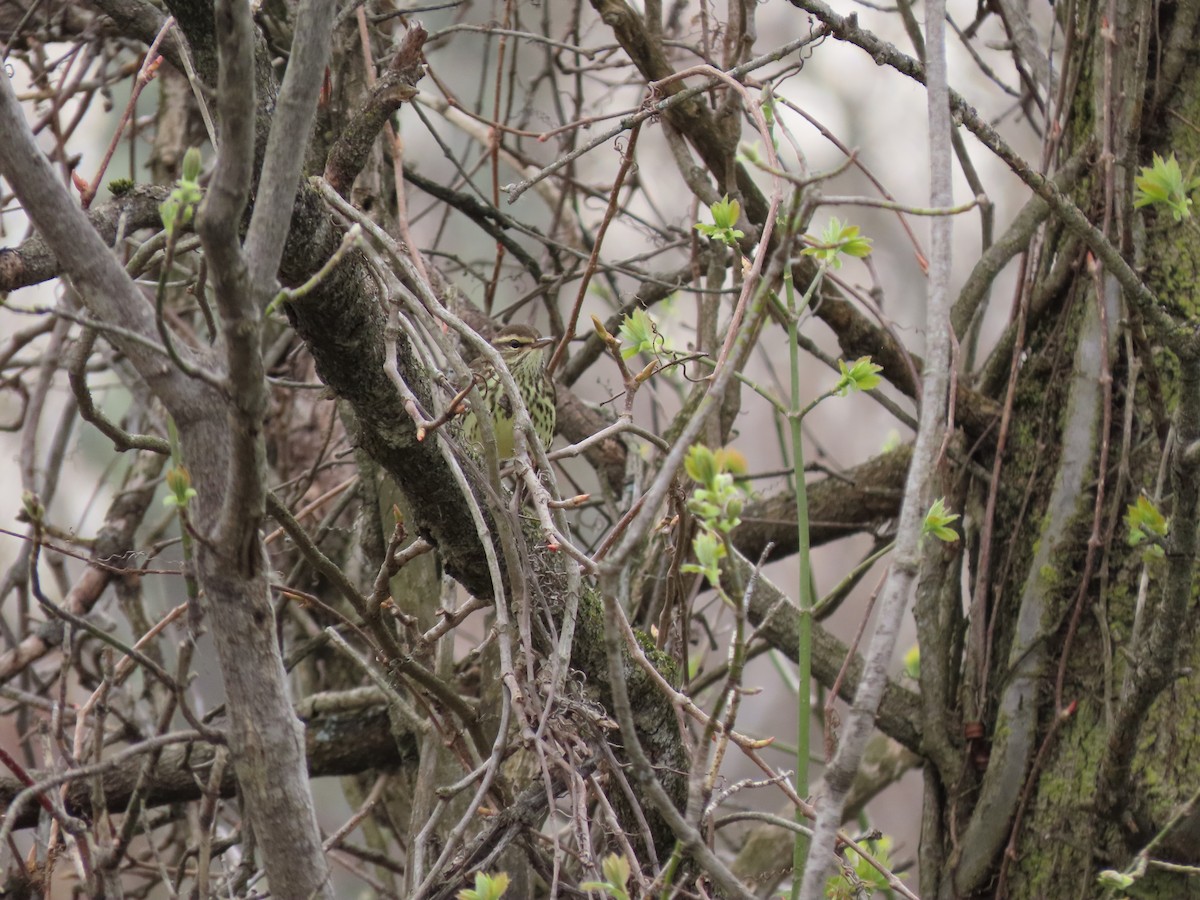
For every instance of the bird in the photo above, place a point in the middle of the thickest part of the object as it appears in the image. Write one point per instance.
(523, 350)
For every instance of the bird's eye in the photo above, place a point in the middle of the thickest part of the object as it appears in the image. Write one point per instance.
(515, 344)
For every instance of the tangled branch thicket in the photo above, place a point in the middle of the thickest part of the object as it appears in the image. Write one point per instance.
(250, 255)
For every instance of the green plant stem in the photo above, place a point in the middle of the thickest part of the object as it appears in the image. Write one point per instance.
(191, 585)
(668, 873)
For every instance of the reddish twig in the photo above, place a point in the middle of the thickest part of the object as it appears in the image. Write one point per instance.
(145, 75)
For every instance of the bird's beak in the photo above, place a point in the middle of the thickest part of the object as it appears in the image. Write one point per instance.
(545, 342)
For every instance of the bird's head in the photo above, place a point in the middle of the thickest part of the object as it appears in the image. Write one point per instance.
(521, 346)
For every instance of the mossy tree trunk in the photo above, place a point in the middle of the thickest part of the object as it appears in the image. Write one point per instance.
(1072, 744)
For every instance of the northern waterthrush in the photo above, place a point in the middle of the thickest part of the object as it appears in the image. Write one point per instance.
(523, 350)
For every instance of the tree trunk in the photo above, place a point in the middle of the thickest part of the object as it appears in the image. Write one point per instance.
(1075, 753)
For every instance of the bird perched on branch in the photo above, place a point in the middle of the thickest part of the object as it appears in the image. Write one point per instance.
(523, 350)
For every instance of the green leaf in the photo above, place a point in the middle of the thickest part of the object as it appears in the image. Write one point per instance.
(1145, 522)
(1147, 528)
(615, 869)
(881, 849)
(181, 203)
(725, 213)
(860, 375)
(1162, 183)
(601, 331)
(837, 240)
(937, 522)
(749, 152)
(701, 465)
(179, 484)
(912, 662)
(730, 459)
(616, 874)
(487, 887)
(733, 510)
(191, 164)
(1119, 881)
(709, 549)
(640, 332)
(168, 211)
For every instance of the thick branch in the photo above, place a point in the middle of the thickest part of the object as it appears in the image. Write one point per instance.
(861, 499)
(34, 262)
(343, 743)
(291, 126)
(714, 136)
